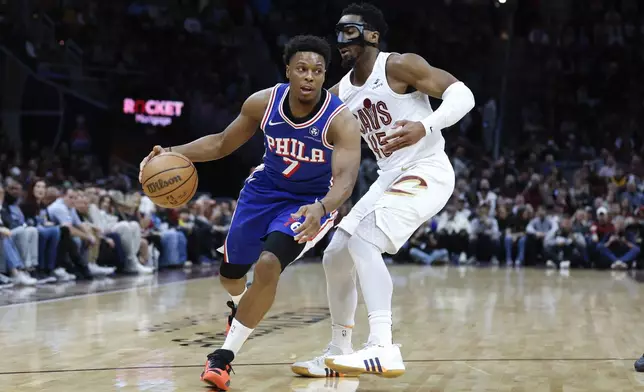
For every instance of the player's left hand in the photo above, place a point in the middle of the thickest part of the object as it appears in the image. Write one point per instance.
(410, 133)
(313, 214)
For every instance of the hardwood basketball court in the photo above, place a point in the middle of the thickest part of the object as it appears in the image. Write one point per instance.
(461, 329)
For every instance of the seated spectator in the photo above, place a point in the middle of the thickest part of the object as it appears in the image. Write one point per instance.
(14, 265)
(423, 246)
(452, 233)
(35, 213)
(484, 236)
(63, 213)
(600, 229)
(564, 247)
(25, 237)
(515, 235)
(486, 196)
(634, 198)
(537, 230)
(618, 249)
(106, 249)
(126, 235)
(137, 249)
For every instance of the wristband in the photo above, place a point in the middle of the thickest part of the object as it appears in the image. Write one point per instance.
(323, 207)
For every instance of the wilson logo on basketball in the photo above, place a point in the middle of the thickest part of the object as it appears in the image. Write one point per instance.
(160, 184)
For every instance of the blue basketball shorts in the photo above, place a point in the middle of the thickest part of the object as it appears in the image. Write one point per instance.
(261, 210)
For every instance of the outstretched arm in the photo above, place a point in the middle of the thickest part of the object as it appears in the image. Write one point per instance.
(344, 134)
(414, 71)
(217, 146)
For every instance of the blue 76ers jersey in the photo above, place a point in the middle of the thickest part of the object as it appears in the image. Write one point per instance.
(298, 155)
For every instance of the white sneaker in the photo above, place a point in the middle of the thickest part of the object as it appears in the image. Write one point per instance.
(63, 276)
(5, 279)
(138, 268)
(384, 361)
(316, 367)
(620, 265)
(564, 265)
(24, 279)
(462, 258)
(97, 270)
(551, 264)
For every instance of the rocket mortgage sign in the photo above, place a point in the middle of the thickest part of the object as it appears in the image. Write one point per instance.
(153, 112)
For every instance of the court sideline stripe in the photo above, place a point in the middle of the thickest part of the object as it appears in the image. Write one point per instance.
(289, 363)
(123, 290)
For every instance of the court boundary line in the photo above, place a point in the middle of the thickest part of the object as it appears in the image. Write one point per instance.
(153, 367)
(83, 295)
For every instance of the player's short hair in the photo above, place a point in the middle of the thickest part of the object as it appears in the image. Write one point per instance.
(307, 43)
(370, 14)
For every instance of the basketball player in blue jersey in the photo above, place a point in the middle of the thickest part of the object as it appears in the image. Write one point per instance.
(289, 202)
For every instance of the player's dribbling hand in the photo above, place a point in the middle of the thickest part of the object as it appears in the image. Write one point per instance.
(312, 213)
(410, 133)
(156, 150)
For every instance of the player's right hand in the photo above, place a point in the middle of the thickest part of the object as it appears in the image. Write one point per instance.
(156, 150)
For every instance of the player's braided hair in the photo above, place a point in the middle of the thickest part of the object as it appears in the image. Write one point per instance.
(370, 14)
(307, 43)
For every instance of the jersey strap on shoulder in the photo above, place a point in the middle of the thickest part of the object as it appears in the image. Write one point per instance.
(269, 108)
(337, 111)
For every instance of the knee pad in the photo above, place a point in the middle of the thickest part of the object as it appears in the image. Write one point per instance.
(234, 271)
(283, 247)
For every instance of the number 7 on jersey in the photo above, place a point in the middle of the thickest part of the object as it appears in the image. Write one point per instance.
(293, 165)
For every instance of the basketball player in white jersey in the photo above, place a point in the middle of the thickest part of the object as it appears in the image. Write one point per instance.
(388, 93)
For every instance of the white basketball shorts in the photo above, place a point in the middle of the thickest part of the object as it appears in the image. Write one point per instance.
(405, 198)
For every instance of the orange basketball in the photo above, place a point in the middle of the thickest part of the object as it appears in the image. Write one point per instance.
(170, 180)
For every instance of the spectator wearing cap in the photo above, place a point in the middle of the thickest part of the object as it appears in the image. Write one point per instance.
(618, 249)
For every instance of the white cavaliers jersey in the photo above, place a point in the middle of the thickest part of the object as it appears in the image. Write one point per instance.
(377, 107)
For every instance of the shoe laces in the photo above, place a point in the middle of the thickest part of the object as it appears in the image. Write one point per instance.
(216, 362)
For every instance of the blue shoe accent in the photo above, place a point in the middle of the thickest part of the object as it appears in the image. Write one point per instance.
(639, 364)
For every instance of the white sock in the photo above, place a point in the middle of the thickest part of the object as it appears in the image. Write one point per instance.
(341, 338)
(342, 291)
(237, 298)
(236, 337)
(380, 328)
(366, 247)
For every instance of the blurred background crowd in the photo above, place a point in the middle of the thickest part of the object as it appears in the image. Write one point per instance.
(549, 164)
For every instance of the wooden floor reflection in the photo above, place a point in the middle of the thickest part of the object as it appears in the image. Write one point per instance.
(461, 329)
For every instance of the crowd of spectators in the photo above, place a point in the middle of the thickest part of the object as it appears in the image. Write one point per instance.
(571, 197)
(52, 233)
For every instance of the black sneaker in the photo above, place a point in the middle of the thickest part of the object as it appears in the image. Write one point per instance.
(639, 364)
(217, 370)
(233, 312)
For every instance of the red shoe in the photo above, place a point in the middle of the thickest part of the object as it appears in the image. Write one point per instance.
(233, 311)
(217, 370)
